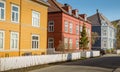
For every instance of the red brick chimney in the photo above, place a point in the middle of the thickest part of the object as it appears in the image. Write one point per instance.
(75, 12)
(68, 8)
(84, 16)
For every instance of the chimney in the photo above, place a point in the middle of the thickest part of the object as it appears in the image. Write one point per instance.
(75, 12)
(68, 8)
(84, 16)
(97, 11)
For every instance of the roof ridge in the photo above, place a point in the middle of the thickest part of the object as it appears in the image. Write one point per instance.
(56, 4)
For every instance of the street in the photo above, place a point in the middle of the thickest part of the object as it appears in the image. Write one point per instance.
(109, 63)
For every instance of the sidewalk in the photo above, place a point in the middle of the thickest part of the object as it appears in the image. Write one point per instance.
(117, 70)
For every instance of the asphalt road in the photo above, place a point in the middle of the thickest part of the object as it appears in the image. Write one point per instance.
(109, 63)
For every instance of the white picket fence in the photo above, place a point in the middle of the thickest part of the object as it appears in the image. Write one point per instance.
(118, 51)
(26, 61)
(88, 54)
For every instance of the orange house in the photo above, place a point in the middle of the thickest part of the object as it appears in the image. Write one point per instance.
(64, 26)
(23, 27)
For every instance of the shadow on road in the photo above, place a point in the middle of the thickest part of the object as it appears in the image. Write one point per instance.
(103, 62)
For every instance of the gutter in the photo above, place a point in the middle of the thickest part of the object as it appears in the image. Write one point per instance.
(42, 2)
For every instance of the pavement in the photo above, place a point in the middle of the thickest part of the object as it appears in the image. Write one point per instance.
(106, 63)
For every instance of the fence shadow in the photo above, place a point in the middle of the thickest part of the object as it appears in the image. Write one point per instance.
(69, 57)
(103, 62)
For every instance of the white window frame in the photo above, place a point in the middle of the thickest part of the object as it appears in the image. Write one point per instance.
(66, 26)
(77, 29)
(3, 39)
(4, 11)
(104, 44)
(70, 43)
(37, 13)
(81, 27)
(35, 40)
(50, 42)
(14, 40)
(104, 32)
(13, 5)
(51, 27)
(89, 32)
(77, 44)
(71, 27)
(66, 42)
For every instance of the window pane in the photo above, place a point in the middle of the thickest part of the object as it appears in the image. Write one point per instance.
(2, 5)
(38, 22)
(16, 17)
(52, 45)
(1, 43)
(13, 16)
(51, 23)
(12, 43)
(50, 40)
(2, 13)
(1, 35)
(37, 44)
(35, 38)
(32, 44)
(16, 43)
(14, 35)
(15, 8)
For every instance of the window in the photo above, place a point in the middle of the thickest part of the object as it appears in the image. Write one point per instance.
(70, 43)
(66, 43)
(50, 43)
(35, 41)
(88, 32)
(15, 13)
(35, 19)
(1, 40)
(110, 43)
(51, 26)
(80, 28)
(77, 30)
(71, 26)
(14, 40)
(111, 34)
(66, 26)
(104, 32)
(2, 10)
(105, 44)
(77, 43)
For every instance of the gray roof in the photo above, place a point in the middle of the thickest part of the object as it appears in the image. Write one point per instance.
(97, 18)
(94, 19)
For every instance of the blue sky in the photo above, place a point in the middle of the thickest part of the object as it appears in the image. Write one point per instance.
(109, 8)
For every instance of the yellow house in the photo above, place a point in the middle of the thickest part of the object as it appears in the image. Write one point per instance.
(23, 27)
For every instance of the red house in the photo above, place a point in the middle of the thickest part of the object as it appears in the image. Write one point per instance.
(64, 26)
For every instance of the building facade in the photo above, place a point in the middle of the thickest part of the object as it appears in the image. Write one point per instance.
(64, 26)
(23, 27)
(106, 32)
